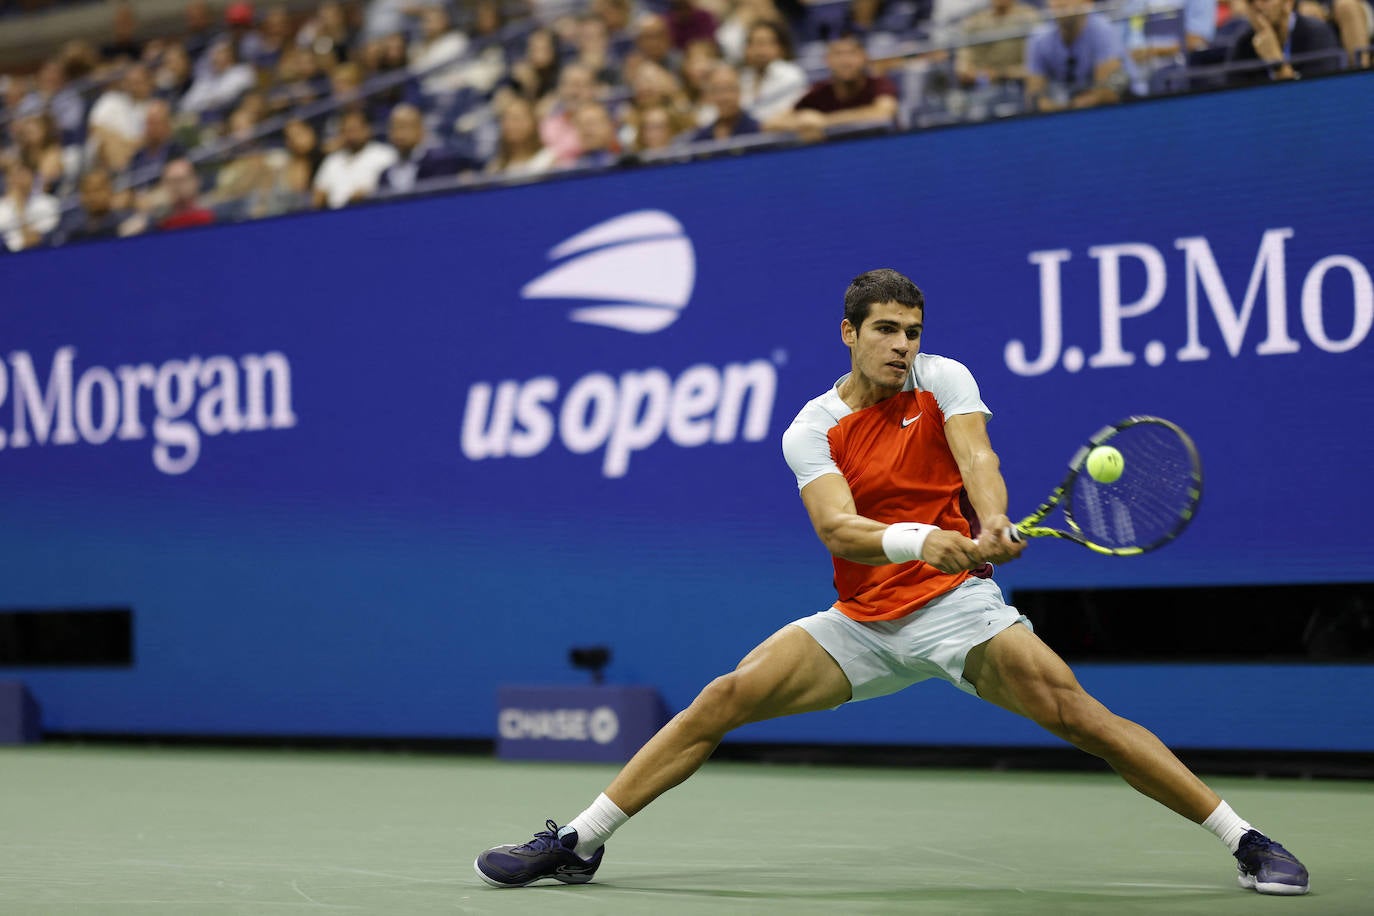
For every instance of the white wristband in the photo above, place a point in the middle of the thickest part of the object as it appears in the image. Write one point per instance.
(904, 541)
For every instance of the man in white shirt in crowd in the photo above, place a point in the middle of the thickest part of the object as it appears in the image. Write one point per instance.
(352, 171)
(115, 126)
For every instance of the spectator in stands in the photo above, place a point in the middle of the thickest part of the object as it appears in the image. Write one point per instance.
(723, 90)
(298, 80)
(352, 171)
(616, 15)
(698, 60)
(1199, 30)
(40, 148)
(158, 146)
(27, 214)
(60, 100)
(1353, 21)
(264, 46)
(947, 16)
(879, 28)
(384, 60)
(733, 32)
(593, 44)
(199, 30)
(486, 22)
(688, 22)
(172, 78)
(346, 91)
(245, 184)
(80, 58)
(418, 159)
(986, 70)
(123, 43)
(327, 33)
(1074, 61)
(850, 96)
(214, 91)
(596, 137)
(653, 87)
(653, 42)
(438, 45)
(519, 152)
(97, 218)
(576, 87)
(115, 126)
(537, 73)
(771, 84)
(181, 186)
(1290, 45)
(391, 17)
(658, 129)
(296, 181)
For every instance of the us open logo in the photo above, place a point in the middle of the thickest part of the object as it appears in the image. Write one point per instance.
(633, 273)
(637, 269)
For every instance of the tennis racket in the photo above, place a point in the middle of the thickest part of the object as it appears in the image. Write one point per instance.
(1148, 506)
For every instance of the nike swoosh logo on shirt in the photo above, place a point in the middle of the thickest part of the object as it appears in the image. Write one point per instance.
(907, 421)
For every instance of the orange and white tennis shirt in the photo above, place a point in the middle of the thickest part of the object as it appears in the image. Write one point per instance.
(900, 469)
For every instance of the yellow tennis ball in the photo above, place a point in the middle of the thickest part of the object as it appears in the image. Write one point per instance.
(1105, 464)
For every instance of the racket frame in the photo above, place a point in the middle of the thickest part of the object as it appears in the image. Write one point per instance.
(1030, 525)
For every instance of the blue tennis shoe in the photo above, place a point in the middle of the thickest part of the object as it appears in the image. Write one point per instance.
(1267, 867)
(549, 855)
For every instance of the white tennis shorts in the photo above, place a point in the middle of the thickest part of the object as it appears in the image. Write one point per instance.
(885, 656)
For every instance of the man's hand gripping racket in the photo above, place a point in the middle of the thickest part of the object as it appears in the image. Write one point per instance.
(1149, 504)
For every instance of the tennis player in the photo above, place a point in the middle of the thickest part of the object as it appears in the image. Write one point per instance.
(902, 485)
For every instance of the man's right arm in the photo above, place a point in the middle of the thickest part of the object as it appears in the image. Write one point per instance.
(851, 536)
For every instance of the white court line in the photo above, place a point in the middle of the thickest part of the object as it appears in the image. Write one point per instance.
(956, 855)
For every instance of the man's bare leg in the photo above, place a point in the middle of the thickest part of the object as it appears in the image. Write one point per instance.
(788, 673)
(1016, 671)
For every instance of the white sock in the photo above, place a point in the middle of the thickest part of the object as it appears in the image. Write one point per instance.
(595, 825)
(1227, 825)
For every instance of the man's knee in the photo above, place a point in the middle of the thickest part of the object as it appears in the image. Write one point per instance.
(722, 705)
(1084, 722)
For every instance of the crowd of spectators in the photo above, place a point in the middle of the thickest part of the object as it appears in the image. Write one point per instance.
(242, 113)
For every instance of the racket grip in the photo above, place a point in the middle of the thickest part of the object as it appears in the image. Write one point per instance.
(1014, 534)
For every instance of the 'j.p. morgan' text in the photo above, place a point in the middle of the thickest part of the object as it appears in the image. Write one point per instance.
(189, 398)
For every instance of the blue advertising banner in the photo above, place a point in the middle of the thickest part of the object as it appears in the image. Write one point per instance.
(353, 470)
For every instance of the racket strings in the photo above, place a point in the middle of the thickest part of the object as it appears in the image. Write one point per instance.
(1151, 500)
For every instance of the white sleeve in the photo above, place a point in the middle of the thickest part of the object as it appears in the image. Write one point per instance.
(953, 386)
(806, 446)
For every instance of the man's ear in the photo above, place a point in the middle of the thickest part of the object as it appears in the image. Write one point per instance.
(848, 333)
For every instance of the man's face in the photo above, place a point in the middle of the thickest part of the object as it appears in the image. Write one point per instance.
(722, 88)
(356, 132)
(652, 40)
(846, 59)
(882, 349)
(157, 124)
(138, 83)
(405, 129)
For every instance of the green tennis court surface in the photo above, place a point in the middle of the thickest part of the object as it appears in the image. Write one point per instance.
(153, 831)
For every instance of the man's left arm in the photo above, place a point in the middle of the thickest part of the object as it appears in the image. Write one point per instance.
(981, 469)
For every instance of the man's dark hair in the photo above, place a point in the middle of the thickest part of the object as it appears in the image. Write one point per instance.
(881, 285)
